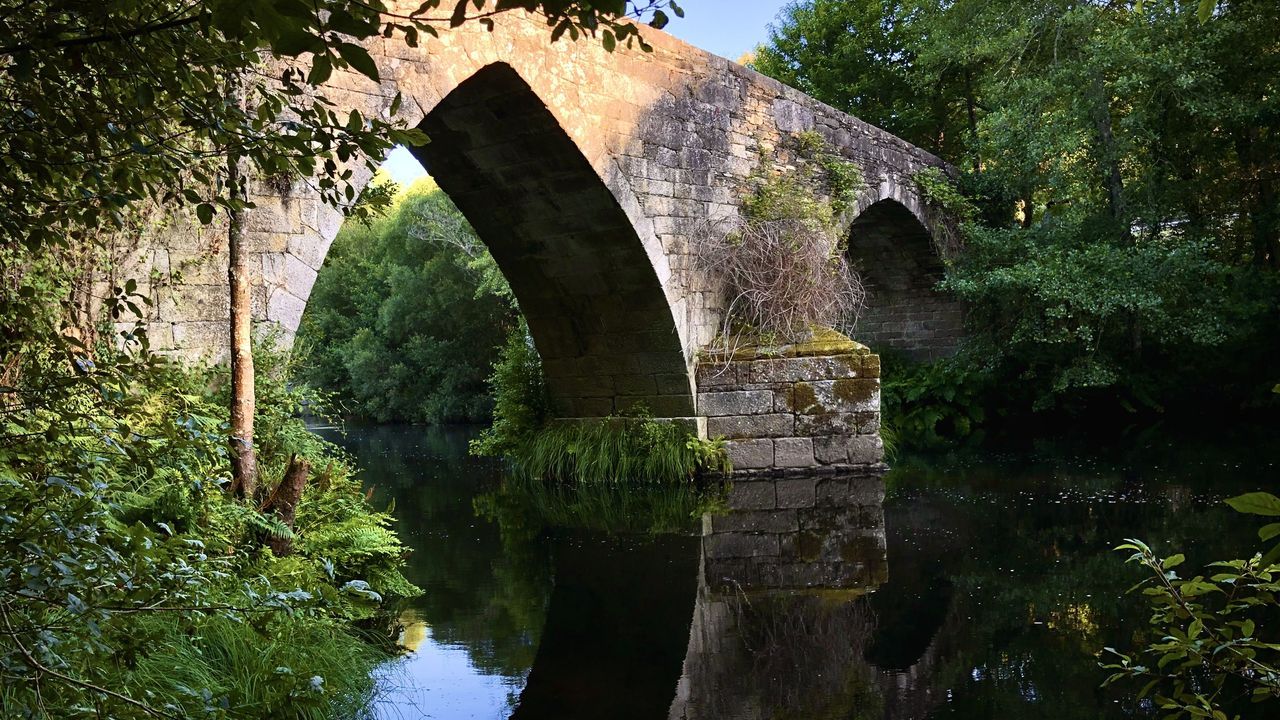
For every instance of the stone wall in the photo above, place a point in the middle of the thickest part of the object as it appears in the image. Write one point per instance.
(804, 406)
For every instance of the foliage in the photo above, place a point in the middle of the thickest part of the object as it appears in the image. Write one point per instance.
(404, 321)
(519, 397)
(618, 449)
(1116, 198)
(929, 404)
(123, 555)
(1215, 641)
(784, 263)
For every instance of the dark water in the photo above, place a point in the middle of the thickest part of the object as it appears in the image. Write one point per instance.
(947, 589)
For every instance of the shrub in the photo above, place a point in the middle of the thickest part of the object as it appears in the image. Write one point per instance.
(1215, 641)
(784, 264)
(131, 584)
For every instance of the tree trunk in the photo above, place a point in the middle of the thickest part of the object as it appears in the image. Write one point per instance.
(283, 502)
(1262, 206)
(972, 112)
(244, 462)
(1108, 156)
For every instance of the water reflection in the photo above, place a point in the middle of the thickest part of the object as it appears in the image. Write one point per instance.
(974, 591)
(779, 629)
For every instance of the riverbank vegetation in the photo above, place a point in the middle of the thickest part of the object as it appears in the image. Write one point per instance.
(405, 321)
(136, 585)
(1117, 193)
(631, 448)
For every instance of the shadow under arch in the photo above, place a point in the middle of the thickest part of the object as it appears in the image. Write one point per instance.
(594, 303)
(900, 266)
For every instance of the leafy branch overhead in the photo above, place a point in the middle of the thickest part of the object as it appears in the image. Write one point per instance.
(85, 143)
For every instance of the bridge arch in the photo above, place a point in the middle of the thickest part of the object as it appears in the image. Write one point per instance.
(585, 171)
(900, 261)
(592, 296)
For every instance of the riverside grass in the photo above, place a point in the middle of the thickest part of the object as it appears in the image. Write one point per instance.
(618, 449)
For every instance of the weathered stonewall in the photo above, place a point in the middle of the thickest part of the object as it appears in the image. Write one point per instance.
(584, 172)
(795, 407)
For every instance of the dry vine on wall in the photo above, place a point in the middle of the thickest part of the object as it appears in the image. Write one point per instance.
(783, 261)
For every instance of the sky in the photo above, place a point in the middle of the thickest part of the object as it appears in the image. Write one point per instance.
(729, 28)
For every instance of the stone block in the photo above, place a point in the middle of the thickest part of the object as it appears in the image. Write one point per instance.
(735, 402)
(797, 492)
(733, 427)
(753, 493)
(634, 385)
(748, 455)
(837, 423)
(744, 545)
(793, 452)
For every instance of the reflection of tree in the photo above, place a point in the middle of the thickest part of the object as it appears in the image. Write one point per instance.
(1035, 590)
(483, 592)
(524, 507)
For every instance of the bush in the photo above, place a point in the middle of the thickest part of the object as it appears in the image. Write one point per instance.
(131, 584)
(784, 263)
(1215, 634)
(637, 448)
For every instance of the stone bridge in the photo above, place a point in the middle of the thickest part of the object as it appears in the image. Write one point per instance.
(584, 173)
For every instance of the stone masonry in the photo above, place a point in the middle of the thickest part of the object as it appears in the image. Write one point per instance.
(584, 172)
(795, 408)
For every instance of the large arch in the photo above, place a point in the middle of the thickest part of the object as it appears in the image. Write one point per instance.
(594, 304)
(901, 265)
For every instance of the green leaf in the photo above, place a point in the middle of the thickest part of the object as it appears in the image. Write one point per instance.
(204, 211)
(1205, 11)
(1174, 560)
(295, 42)
(1256, 503)
(321, 69)
(359, 59)
(1269, 531)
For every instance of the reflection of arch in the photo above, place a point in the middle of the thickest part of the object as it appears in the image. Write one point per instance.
(900, 266)
(595, 306)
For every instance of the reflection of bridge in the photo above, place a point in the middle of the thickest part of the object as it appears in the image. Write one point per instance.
(787, 617)
(585, 173)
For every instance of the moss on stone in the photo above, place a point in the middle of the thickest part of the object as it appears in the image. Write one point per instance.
(823, 341)
(804, 399)
(853, 391)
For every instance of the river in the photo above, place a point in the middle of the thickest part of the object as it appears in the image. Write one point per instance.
(950, 588)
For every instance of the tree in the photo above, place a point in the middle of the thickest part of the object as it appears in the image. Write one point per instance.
(1120, 159)
(407, 317)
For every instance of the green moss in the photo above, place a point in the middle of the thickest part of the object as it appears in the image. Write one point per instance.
(853, 390)
(804, 399)
(822, 342)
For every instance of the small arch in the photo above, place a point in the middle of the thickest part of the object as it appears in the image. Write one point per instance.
(595, 305)
(896, 256)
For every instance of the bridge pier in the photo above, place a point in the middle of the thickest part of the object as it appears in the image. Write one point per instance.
(799, 408)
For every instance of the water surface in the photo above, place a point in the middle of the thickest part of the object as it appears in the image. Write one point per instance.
(955, 588)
